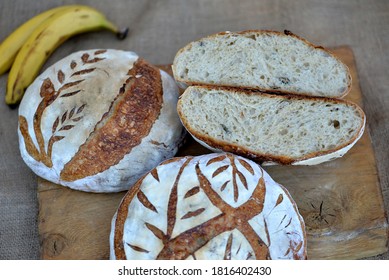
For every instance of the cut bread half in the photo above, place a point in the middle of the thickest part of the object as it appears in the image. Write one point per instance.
(264, 60)
(270, 128)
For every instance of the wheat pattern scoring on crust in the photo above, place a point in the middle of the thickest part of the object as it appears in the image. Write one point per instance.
(208, 229)
(236, 173)
(230, 222)
(67, 120)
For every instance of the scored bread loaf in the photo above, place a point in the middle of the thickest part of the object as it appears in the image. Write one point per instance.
(264, 60)
(215, 206)
(283, 129)
(97, 120)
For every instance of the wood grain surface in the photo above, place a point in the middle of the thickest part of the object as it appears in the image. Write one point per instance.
(340, 201)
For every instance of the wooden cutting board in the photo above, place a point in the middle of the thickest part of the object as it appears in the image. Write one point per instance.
(341, 202)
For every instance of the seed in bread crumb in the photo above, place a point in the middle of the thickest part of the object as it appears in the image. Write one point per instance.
(225, 128)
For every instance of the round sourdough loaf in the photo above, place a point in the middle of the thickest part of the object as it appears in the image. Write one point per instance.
(215, 206)
(99, 119)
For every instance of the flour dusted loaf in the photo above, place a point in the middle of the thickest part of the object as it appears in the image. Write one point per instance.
(269, 128)
(215, 206)
(99, 119)
(264, 60)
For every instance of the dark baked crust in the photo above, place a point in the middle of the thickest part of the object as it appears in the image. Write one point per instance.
(129, 119)
(121, 218)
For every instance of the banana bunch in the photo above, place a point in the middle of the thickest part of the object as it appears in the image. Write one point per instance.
(26, 50)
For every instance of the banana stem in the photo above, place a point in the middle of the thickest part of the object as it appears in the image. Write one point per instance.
(122, 34)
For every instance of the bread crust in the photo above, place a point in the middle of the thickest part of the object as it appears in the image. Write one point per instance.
(128, 121)
(97, 120)
(219, 145)
(257, 32)
(186, 243)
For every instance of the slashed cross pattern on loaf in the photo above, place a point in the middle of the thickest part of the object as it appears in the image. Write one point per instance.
(216, 206)
(68, 119)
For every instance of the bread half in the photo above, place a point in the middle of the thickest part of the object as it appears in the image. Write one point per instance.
(269, 128)
(264, 60)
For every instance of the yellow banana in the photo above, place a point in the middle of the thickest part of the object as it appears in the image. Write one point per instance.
(11, 45)
(45, 39)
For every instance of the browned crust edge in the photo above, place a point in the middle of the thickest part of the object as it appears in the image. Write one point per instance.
(128, 120)
(250, 208)
(265, 31)
(121, 219)
(122, 211)
(302, 223)
(190, 240)
(254, 155)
